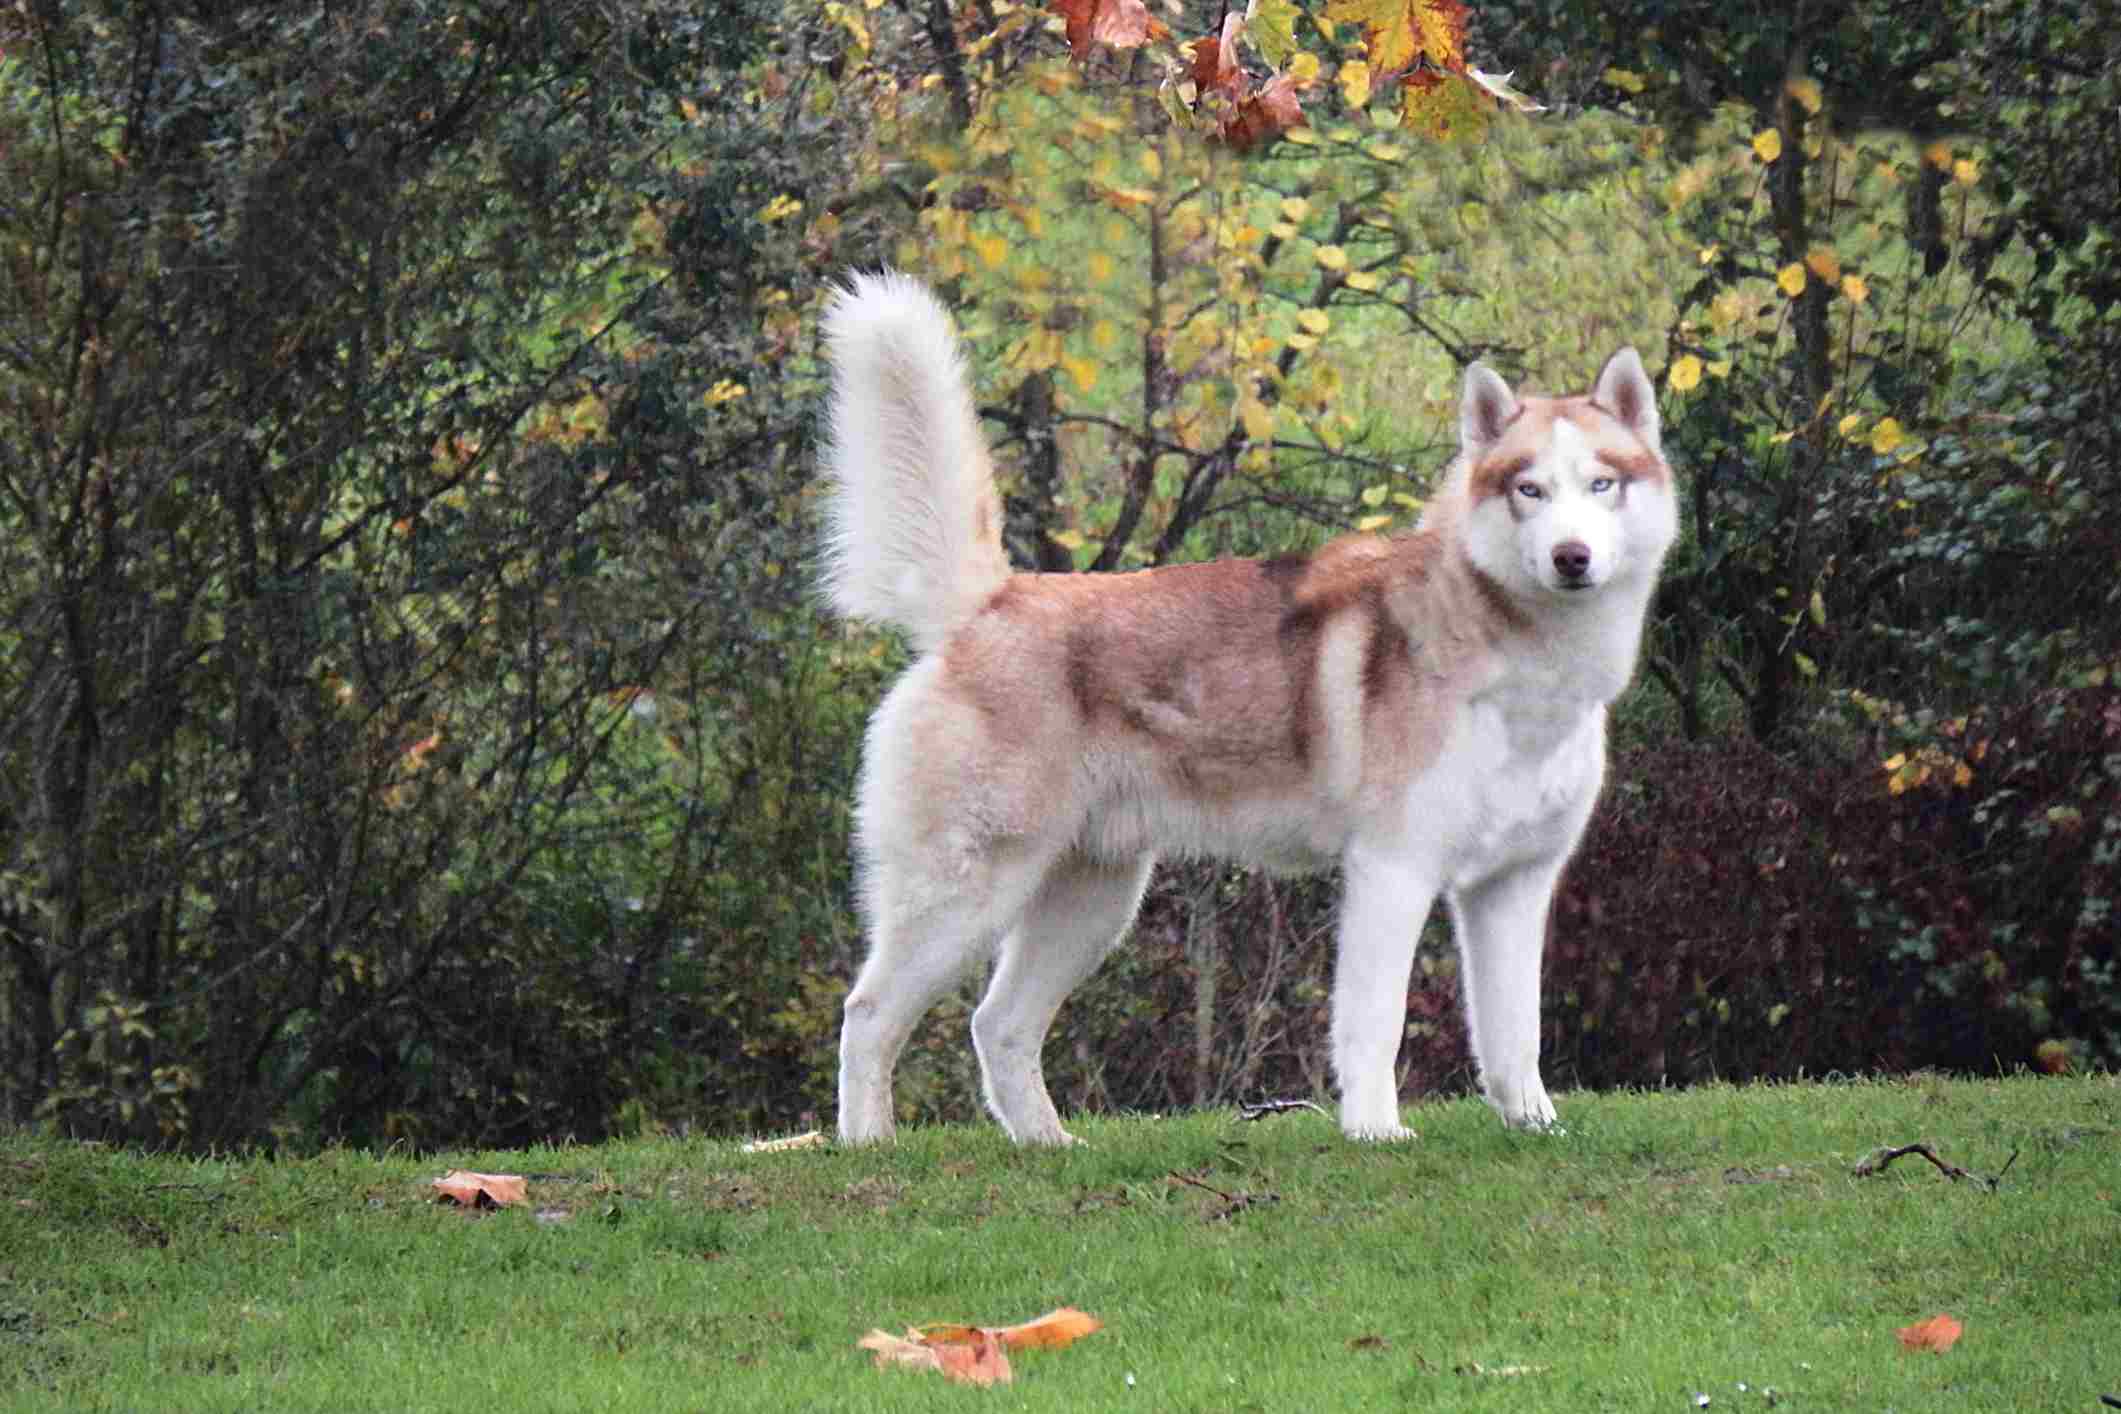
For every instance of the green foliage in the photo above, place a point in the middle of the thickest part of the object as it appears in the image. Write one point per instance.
(419, 727)
(331, 564)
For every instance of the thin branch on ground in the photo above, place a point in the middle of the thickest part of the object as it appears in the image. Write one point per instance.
(1880, 1160)
(1263, 1108)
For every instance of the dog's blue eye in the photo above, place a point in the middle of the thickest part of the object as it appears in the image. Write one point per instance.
(1602, 485)
(1529, 490)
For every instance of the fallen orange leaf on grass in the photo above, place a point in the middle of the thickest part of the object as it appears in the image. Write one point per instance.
(979, 1363)
(977, 1355)
(1939, 1333)
(1052, 1331)
(482, 1190)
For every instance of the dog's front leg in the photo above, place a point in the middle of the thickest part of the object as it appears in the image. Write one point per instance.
(1384, 902)
(1501, 924)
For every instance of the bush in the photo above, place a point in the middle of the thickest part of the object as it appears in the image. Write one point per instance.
(1738, 914)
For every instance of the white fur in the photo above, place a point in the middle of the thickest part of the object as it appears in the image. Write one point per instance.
(1022, 777)
(906, 466)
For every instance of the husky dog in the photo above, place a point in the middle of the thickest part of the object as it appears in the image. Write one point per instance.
(1425, 709)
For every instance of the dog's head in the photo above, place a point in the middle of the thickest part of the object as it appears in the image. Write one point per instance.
(1565, 495)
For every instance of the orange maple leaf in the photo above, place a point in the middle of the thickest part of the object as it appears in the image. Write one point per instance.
(1939, 1333)
(482, 1190)
(1123, 24)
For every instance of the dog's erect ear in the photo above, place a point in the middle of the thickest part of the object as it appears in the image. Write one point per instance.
(1624, 390)
(1485, 408)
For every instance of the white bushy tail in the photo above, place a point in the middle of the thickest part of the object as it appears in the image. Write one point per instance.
(912, 522)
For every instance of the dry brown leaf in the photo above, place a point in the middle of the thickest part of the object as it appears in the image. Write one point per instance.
(983, 1363)
(1265, 115)
(482, 1190)
(977, 1355)
(1215, 58)
(1939, 1333)
(1122, 24)
(977, 1362)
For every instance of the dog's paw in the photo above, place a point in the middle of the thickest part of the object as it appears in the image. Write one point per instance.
(1524, 1107)
(1381, 1134)
(1054, 1138)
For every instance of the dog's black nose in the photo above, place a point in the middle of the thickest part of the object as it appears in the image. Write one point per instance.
(1572, 559)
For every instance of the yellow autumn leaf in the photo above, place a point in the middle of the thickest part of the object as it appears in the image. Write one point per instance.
(1727, 309)
(1625, 80)
(1823, 262)
(1792, 279)
(1098, 267)
(1082, 370)
(1067, 539)
(1370, 523)
(992, 250)
(1886, 436)
(1938, 155)
(1805, 91)
(1354, 80)
(1767, 144)
(1258, 419)
(1708, 253)
(1295, 208)
(1966, 172)
(780, 208)
(1855, 289)
(1686, 373)
(1365, 280)
(1314, 321)
(1849, 424)
(1332, 257)
(1302, 343)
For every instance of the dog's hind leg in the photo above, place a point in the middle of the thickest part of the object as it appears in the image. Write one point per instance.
(1081, 910)
(1502, 926)
(925, 932)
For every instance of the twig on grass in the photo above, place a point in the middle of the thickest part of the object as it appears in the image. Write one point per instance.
(1878, 1162)
(1233, 1203)
(1263, 1108)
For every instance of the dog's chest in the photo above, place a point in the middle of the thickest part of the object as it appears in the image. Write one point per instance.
(1514, 782)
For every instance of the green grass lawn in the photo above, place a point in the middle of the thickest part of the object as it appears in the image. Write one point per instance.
(1713, 1243)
